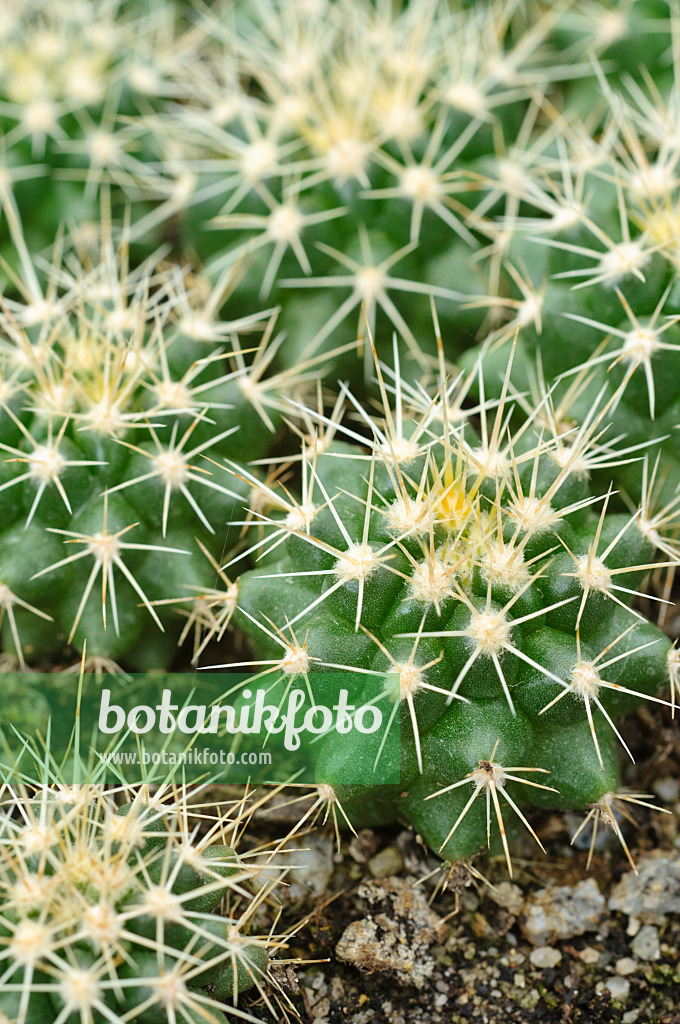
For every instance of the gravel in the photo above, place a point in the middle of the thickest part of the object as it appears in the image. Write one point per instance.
(387, 862)
(651, 894)
(646, 944)
(545, 956)
(562, 912)
(618, 987)
(626, 965)
(667, 789)
(311, 866)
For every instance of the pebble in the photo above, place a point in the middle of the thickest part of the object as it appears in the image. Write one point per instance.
(396, 935)
(479, 925)
(630, 1016)
(589, 955)
(646, 945)
(387, 862)
(321, 1009)
(619, 988)
(545, 956)
(363, 845)
(667, 789)
(311, 866)
(561, 912)
(626, 965)
(508, 896)
(651, 893)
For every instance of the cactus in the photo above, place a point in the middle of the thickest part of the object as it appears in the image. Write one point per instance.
(342, 149)
(481, 571)
(352, 166)
(110, 906)
(349, 150)
(77, 80)
(118, 387)
(585, 258)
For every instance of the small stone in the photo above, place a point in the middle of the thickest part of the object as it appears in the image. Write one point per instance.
(387, 862)
(561, 912)
(321, 1009)
(630, 1016)
(363, 845)
(619, 988)
(338, 993)
(626, 965)
(396, 935)
(469, 900)
(545, 956)
(311, 866)
(646, 944)
(651, 893)
(508, 896)
(589, 955)
(667, 789)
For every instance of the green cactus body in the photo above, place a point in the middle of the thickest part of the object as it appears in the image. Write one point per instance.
(587, 264)
(358, 145)
(495, 588)
(496, 571)
(113, 516)
(469, 533)
(107, 912)
(76, 80)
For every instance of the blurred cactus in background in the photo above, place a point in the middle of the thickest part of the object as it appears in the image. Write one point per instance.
(121, 386)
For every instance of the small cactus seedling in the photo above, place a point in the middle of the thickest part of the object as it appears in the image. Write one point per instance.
(487, 594)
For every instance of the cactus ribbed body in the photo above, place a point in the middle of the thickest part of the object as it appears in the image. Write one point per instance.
(483, 575)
